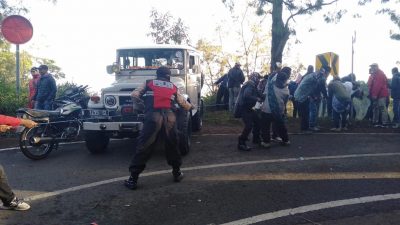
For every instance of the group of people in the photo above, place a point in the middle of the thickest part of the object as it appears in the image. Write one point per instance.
(229, 86)
(42, 88)
(261, 103)
(379, 95)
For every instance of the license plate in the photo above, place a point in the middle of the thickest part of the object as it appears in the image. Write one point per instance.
(98, 112)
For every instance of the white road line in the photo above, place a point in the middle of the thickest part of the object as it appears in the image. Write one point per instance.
(85, 186)
(17, 148)
(314, 207)
(229, 134)
(65, 143)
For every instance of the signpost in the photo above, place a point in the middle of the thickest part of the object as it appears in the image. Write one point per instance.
(17, 30)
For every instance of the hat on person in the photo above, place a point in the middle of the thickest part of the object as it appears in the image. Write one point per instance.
(374, 65)
(255, 77)
(282, 76)
(238, 64)
(43, 67)
(163, 71)
(287, 70)
(34, 69)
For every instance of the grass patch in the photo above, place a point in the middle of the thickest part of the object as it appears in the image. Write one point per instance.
(222, 117)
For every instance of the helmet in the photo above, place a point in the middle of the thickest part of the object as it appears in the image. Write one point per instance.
(163, 72)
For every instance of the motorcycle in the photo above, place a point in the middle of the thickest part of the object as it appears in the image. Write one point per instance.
(63, 124)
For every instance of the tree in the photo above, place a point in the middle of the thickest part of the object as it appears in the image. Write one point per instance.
(246, 28)
(282, 28)
(9, 101)
(166, 30)
(214, 62)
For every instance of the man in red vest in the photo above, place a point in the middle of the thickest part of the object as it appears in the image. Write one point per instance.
(158, 96)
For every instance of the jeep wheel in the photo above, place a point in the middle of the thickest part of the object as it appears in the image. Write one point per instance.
(197, 120)
(185, 132)
(96, 142)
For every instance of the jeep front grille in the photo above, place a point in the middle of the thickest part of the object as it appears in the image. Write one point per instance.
(125, 100)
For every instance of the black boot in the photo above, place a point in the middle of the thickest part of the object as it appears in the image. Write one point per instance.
(242, 145)
(256, 140)
(131, 182)
(177, 174)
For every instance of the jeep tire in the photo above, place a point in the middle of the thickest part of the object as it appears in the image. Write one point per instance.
(184, 125)
(96, 142)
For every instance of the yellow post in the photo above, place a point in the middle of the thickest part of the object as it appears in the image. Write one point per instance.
(328, 59)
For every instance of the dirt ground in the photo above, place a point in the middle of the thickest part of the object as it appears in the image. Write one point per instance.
(219, 122)
(231, 125)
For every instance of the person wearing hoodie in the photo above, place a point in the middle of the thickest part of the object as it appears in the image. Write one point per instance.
(396, 96)
(46, 89)
(274, 109)
(7, 196)
(235, 80)
(378, 93)
(32, 86)
(341, 100)
(247, 99)
(303, 92)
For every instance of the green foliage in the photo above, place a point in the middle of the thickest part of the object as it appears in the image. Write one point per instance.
(166, 30)
(9, 99)
(222, 117)
(61, 88)
(215, 63)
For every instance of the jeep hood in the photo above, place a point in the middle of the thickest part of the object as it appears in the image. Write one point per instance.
(130, 83)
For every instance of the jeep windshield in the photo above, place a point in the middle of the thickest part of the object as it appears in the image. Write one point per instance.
(150, 59)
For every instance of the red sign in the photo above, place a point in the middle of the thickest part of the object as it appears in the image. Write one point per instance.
(16, 29)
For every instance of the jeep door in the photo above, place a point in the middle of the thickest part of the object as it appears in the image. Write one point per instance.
(193, 79)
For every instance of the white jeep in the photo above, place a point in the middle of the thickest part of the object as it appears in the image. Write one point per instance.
(115, 115)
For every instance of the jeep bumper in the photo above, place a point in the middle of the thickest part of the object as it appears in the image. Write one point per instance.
(113, 126)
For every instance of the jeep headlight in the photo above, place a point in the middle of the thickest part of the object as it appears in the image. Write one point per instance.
(110, 101)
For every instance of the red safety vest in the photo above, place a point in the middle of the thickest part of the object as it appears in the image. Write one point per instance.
(159, 94)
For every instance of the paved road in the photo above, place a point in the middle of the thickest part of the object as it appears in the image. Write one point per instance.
(325, 179)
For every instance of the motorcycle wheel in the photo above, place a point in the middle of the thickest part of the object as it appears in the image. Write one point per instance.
(31, 150)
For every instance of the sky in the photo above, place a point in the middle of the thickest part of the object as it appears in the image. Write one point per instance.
(83, 35)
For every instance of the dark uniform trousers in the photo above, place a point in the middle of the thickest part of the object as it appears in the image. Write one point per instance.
(6, 194)
(161, 122)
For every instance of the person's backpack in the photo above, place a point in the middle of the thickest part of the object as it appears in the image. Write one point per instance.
(238, 108)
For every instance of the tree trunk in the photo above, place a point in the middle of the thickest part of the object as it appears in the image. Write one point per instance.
(280, 34)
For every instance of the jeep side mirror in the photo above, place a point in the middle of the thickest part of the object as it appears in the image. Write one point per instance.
(112, 69)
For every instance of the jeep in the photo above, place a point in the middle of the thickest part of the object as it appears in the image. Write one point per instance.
(115, 115)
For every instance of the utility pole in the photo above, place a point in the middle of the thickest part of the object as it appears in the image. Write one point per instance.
(353, 40)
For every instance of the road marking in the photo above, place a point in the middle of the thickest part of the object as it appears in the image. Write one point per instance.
(301, 176)
(17, 148)
(65, 143)
(297, 133)
(85, 186)
(313, 207)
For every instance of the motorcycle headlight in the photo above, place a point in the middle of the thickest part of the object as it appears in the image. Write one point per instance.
(110, 101)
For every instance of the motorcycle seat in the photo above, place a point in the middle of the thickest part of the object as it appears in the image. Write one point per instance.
(39, 113)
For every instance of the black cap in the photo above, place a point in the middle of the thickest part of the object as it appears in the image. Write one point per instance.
(43, 67)
(163, 71)
(33, 69)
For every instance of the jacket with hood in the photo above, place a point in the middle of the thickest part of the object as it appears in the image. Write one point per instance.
(46, 88)
(396, 86)
(377, 85)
